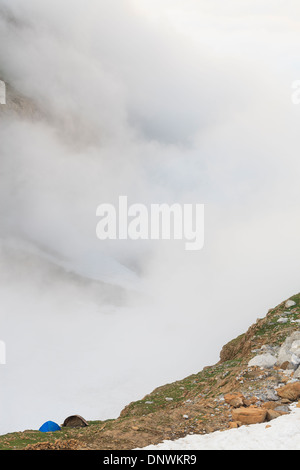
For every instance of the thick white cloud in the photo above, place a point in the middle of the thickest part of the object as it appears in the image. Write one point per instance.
(165, 101)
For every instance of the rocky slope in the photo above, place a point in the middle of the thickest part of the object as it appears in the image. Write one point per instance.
(255, 380)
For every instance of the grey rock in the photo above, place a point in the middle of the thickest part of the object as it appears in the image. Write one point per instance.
(288, 368)
(267, 395)
(295, 347)
(267, 361)
(289, 348)
(290, 303)
(283, 408)
(282, 320)
(266, 348)
(295, 360)
(271, 395)
(297, 373)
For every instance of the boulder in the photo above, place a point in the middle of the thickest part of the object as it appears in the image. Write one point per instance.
(297, 373)
(282, 408)
(251, 415)
(229, 397)
(290, 391)
(290, 303)
(267, 361)
(282, 320)
(236, 402)
(273, 414)
(250, 401)
(286, 365)
(295, 347)
(295, 360)
(290, 350)
(269, 405)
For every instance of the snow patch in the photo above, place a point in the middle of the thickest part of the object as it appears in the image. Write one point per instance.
(282, 433)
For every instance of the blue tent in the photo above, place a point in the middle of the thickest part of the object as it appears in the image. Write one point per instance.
(49, 426)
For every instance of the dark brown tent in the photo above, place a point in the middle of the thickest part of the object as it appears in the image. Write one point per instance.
(75, 421)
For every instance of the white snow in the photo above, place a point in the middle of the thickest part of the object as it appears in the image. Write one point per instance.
(283, 434)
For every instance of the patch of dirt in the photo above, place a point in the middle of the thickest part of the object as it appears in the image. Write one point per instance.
(71, 444)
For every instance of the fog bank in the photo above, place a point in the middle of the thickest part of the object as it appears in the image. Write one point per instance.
(164, 102)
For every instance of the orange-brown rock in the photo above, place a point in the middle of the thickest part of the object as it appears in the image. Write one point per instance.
(269, 405)
(251, 415)
(231, 396)
(290, 391)
(250, 401)
(236, 402)
(233, 425)
(284, 365)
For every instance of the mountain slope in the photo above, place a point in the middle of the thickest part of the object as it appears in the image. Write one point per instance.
(194, 405)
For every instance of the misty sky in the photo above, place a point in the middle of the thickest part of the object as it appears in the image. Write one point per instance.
(163, 101)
